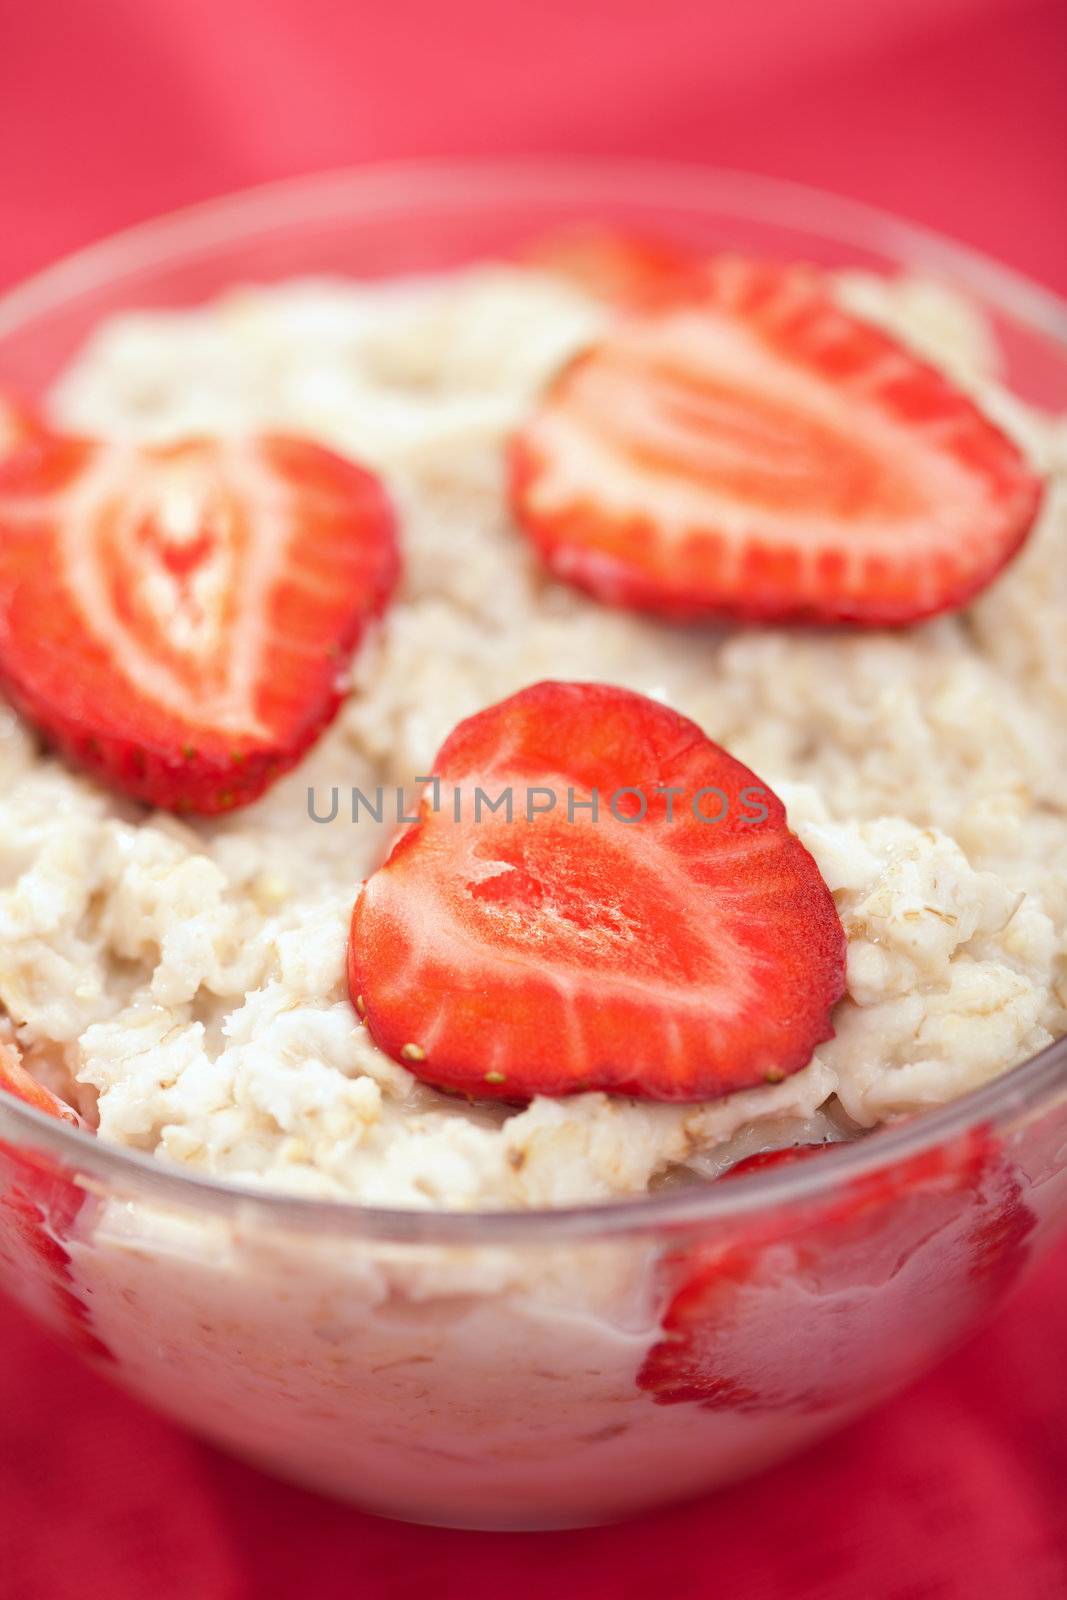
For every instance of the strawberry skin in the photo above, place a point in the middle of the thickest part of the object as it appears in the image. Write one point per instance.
(657, 955)
(18, 425)
(758, 454)
(766, 1159)
(723, 1344)
(15, 1080)
(177, 619)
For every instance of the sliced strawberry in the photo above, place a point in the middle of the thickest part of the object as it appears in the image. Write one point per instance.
(660, 956)
(832, 1302)
(178, 618)
(14, 1079)
(39, 1205)
(774, 1158)
(630, 272)
(762, 454)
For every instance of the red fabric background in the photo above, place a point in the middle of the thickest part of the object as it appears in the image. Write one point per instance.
(951, 111)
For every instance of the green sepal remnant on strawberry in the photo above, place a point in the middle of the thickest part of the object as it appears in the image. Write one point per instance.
(39, 1205)
(176, 618)
(661, 956)
(742, 448)
(816, 1304)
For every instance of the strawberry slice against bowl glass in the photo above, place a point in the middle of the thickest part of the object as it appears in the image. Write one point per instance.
(39, 1205)
(177, 618)
(770, 1317)
(676, 942)
(756, 453)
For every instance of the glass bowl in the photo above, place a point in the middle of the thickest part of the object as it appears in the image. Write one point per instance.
(538, 1368)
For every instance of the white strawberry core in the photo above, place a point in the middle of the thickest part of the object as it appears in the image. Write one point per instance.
(171, 557)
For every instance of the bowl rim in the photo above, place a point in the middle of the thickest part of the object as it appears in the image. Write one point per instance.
(442, 185)
(439, 184)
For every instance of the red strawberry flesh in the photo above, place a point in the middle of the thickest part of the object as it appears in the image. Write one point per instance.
(177, 619)
(665, 957)
(630, 272)
(18, 424)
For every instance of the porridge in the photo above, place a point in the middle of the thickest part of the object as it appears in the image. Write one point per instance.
(184, 981)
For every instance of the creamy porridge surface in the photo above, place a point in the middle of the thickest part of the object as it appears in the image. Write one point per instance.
(185, 983)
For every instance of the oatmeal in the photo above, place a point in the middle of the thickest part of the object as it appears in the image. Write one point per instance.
(184, 981)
